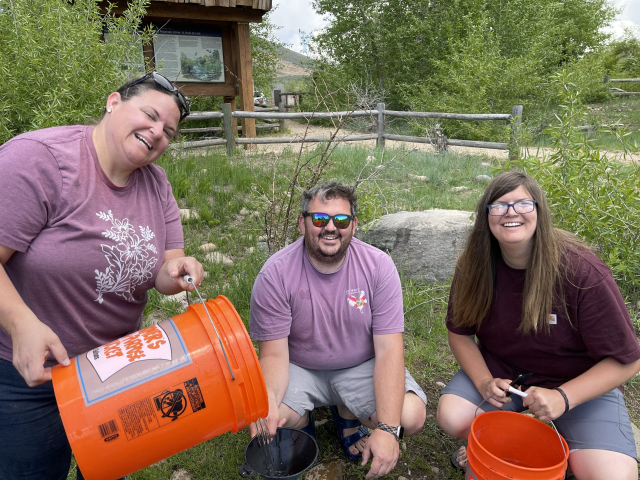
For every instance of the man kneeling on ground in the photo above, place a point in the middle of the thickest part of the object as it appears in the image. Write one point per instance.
(328, 317)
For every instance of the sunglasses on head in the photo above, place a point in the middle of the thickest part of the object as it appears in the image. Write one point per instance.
(166, 84)
(321, 220)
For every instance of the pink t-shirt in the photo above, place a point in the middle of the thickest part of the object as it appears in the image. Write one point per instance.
(87, 251)
(329, 319)
(598, 325)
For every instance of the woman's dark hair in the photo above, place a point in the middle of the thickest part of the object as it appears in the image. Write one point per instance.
(134, 88)
(475, 273)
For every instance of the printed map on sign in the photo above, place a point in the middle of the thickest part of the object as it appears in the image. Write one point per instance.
(149, 344)
(131, 361)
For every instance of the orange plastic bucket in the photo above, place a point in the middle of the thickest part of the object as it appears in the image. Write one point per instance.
(159, 391)
(511, 445)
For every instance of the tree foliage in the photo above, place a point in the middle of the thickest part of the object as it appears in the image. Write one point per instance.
(591, 194)
(55, 65)
(265, 53)
(456, 55)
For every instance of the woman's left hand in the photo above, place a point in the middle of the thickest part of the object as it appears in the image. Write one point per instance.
(178, 267)
(544, 403)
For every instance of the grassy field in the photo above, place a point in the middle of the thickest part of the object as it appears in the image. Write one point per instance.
(224, 192)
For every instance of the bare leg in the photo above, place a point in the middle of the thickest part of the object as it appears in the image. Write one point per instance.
(590, 464)
(454, 416)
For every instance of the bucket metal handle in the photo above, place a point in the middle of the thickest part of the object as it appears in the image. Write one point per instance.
(189, 279)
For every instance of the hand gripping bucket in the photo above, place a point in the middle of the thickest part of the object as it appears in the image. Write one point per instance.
(159, 391)
(509, 445)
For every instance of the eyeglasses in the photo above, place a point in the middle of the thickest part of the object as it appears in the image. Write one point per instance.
(521, 207)
(165, 83)
(321, 220)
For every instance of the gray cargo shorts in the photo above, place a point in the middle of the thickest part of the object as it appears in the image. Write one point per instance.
(600, 424)
(352, 387)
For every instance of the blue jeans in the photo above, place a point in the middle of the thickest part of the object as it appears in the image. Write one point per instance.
(33, 444)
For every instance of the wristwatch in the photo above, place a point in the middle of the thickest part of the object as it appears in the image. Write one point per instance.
(397, 432)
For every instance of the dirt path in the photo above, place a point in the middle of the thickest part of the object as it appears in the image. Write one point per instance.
(298, 129)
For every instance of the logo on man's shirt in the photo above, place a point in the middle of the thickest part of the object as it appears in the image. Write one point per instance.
(553, 319)
(357, 301)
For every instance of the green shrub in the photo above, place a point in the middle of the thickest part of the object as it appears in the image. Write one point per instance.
(56, 68)
(591, 194)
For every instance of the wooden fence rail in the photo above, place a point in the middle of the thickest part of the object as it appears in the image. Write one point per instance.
(440, 141)
(619, 92)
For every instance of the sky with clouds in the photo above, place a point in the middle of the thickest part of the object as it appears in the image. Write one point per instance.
(298, 15)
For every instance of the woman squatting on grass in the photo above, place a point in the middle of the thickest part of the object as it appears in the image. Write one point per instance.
(87, 226)
(540, 302)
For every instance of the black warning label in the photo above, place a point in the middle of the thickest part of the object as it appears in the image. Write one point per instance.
(161, 409)
(195, 394)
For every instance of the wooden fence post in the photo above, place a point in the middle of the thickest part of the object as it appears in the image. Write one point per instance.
(606, 78)
(227, 124)
(380, 141)
(281, 110)
(516, 124)
(276, 97)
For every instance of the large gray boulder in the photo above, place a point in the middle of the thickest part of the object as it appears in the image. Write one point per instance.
(424, 245)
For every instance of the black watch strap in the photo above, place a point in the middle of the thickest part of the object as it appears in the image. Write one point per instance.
(397, 432)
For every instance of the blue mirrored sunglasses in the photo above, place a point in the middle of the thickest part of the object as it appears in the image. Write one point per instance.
(321, 220)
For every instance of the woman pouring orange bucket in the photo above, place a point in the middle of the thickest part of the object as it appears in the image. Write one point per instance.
(88, 224)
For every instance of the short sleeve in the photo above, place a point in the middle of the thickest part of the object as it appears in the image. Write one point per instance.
(604, 323)
(387, 313)
(175, 235)
(30, 186)
(270, 317)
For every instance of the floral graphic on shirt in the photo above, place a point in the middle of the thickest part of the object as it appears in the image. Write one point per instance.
(358, 302)
(130, 260)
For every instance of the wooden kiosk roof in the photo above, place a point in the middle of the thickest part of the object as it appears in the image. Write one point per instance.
(264, 5)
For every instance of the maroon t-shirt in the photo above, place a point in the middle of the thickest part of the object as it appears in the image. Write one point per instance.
(601, 325)
(87, 251)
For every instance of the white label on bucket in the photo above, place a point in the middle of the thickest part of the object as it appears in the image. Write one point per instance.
(148, 344)
(130, 361)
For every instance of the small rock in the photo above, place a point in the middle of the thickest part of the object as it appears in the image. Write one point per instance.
(483, 178)
(262, 247)
(217, 257)
(244, 212)
(403, 478)
(404, 445)
(485, 164)
(440, 384)
(321, 422)
(204, 170)
(180, 475)
(435, 470)
(370, 159)
(429, 415)
(331, 470)
(459, 189)
(207, 247)
(262, 238)
(154, 318)
(420, 178)
(178, 297)
(186, 214)
(256, 214)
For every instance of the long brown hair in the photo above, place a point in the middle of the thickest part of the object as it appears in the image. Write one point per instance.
(476, 267)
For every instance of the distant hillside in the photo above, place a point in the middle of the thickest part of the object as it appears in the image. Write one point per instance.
(293, 57)
(292, 66)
